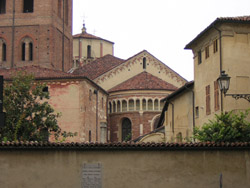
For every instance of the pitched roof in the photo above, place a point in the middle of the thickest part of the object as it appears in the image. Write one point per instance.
(123, 146)
(185, 87)
(239, 19)
(37, 71)
(41, 73)
(144, 81)
(86, 35)
(99, 66)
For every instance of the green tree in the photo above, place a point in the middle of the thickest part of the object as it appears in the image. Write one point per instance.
(227, 127)
(29, 117)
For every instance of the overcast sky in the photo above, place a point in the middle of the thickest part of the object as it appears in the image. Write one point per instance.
(162, 27)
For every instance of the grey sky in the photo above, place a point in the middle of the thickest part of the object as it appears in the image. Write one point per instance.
(162, 27)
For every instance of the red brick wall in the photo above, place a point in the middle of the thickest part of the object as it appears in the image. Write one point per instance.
(136, 119)
(45, 29)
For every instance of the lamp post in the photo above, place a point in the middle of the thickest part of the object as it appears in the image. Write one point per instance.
(224, 82)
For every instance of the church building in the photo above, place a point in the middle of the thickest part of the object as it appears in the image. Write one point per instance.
(34, 32)
(101, 97)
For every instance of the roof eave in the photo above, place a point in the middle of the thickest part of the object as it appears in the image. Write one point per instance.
(217, 21)
(179, 91)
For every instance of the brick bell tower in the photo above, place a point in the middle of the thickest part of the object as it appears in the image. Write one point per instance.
(35, 32)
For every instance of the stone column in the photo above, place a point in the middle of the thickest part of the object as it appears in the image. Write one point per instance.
(27, 51)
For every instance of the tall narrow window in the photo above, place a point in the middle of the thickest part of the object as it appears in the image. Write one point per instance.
(208, 108)
(89, 136)
(197, 111)
(199, 57)
(4, 51)
(216, 96)
(28, 6)
(207, 52)
(27, 49)
(2, 6)
(110, 107)
(23, 51)
(30, 51)
(88, 51)
(215, 45)
(144, 63)
(59, 8)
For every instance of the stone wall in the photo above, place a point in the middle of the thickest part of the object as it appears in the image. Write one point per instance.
(118, 168)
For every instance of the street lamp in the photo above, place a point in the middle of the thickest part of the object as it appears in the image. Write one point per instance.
(224, 82)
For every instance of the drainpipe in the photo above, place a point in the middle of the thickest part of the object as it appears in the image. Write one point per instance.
(107, 115)
(172, 116)
(63, 38)
(220, 36)
(96, 92)
(13, 35)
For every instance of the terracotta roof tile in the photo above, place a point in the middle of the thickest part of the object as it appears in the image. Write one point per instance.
(37, 71)
(144, 81)
(125, 146)
(89, 36)
(99, 66)
(238, 18)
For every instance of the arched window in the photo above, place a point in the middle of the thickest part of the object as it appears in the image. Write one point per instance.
(126, 129)
(3, 51)
(144, 63)
(156, 104)
(88, 51)
(138, 104)
(110, 107)
(131, 105)
(144, 105)
(150, 104)
(118, 106)
(114, 106)
(124, 106)
(30, 51)
(23, 51)
(27, 49)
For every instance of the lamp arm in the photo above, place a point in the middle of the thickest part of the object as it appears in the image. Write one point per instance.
(239, 96)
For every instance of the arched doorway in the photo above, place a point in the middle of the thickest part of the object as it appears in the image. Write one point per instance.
(126, 129)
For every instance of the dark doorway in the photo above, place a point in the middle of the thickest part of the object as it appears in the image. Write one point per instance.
(126, 129)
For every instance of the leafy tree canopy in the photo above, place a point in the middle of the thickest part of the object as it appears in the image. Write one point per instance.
(29, 117)
(227, 127)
